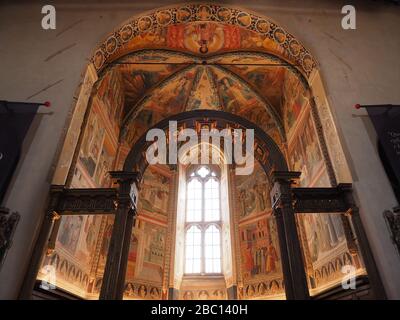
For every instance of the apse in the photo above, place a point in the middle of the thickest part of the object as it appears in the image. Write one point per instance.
(179, 60)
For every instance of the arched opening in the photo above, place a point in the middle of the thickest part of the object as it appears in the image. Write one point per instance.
(257, 244)
(202, 66)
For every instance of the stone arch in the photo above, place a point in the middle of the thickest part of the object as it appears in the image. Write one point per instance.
(124, 39)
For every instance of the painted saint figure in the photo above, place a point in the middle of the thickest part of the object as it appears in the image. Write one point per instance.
(272, 258)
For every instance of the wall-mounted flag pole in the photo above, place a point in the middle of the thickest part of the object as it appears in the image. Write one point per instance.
(359, 106)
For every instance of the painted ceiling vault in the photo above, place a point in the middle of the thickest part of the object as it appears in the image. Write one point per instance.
(161, 83)
(205, 57)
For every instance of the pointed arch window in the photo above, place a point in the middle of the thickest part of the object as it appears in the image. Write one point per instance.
(203, 222)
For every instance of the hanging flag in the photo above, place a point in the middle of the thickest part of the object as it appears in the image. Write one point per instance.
(386, 120)
(15, 120)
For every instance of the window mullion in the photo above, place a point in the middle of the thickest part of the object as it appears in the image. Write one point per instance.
(202, 227)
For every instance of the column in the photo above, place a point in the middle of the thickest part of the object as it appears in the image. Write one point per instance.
(125, 254)
(41, 243)
(292, 260)
(287, 278)
(366, 253)
(117, 257)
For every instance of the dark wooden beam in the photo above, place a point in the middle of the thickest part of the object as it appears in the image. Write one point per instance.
(293, 265)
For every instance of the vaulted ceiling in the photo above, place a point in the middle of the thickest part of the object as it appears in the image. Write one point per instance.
(205, 57)
(161, 83)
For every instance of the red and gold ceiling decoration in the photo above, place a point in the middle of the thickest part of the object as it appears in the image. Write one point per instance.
(205, 57)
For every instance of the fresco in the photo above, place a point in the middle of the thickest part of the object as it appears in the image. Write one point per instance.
(92, 143)
(203, 29)
(151, 239)
(70, 229)
(111, 96)
(154, 193)
(323, 238)
(259, 248)
(261, 270)
(144, 291)
(74, 254)
(253, 193)
(168, 99)
(268, 81)
(261, 117)
(204, 93)
(154, 251)
(145, 268)
(200, 37)
(205, 294)
(155, 83)
(322, 180)
(145, 119)
(79, 179)
(91, 230)
(87, 245)
(235, 95)
(97, 153)
(266, 290)
(168, 82)
(132, 258)
(82, 241)
(323, 232)
(171, 96)
(260, 264)
(203, 37)
(295, 100)
(304, 151)
(143, 71)
(324, 243)
(105, 164)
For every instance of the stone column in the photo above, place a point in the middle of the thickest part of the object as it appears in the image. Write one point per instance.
(292, 260)
(114, 272)
(50, 217)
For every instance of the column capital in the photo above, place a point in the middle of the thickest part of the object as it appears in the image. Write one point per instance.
(281, 189)
(53, 215)
(128, 190)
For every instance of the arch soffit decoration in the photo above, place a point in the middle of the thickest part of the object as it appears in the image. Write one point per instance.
(274, 44)
(278, 41)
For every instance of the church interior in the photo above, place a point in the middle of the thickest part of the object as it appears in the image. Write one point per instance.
(193, 230)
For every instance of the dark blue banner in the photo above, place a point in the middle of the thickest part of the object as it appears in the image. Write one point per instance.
(15, 120)
(386, 120)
